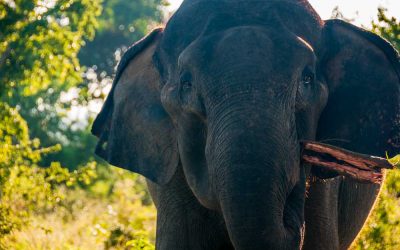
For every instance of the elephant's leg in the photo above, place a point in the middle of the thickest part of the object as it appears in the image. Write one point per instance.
(184, 224)
(355, 203)
(321, 215)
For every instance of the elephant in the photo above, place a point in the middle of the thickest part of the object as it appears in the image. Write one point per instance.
(212, 109)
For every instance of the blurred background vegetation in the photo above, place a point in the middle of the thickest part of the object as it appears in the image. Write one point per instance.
(57, 59)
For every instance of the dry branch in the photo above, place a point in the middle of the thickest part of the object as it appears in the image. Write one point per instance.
(364, 168)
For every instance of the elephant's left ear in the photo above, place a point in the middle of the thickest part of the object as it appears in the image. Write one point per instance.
(362, 72)
(134, 130)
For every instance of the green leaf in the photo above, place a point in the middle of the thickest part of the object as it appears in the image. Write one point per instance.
(395, 161)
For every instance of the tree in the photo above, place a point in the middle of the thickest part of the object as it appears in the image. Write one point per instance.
(120, 24)
(38, 57)
(40, 42)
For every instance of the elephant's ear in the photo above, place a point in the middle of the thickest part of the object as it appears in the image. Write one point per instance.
(135, 131)
(362, 72)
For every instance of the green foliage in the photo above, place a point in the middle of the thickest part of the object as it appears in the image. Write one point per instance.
(38, 62)
(40, 42)
(387, 27)
(24, 186)
(14, 141)
(121, 24)
(39, 53)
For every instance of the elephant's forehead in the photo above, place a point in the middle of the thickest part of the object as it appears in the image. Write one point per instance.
(197, 18)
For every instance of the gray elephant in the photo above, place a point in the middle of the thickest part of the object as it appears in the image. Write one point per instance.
(212, 110)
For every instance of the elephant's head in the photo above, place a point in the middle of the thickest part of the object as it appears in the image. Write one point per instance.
(227, 92)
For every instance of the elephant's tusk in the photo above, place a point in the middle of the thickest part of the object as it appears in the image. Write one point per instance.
(361, 167)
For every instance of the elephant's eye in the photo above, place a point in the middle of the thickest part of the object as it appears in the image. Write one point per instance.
(308, 77)
(186, 81)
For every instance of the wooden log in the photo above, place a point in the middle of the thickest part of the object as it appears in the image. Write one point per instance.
(361, 167)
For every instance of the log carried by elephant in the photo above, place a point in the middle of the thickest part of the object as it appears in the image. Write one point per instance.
(360, 167)
(213, 110)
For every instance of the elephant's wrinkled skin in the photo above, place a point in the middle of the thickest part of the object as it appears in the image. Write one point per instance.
(211, 111)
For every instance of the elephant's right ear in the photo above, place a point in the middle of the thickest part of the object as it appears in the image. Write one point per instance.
(362, 72)
(135, 131)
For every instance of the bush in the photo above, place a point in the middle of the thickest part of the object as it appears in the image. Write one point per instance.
(118, 218)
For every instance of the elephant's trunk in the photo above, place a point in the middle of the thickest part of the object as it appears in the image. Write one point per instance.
(254, 157)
